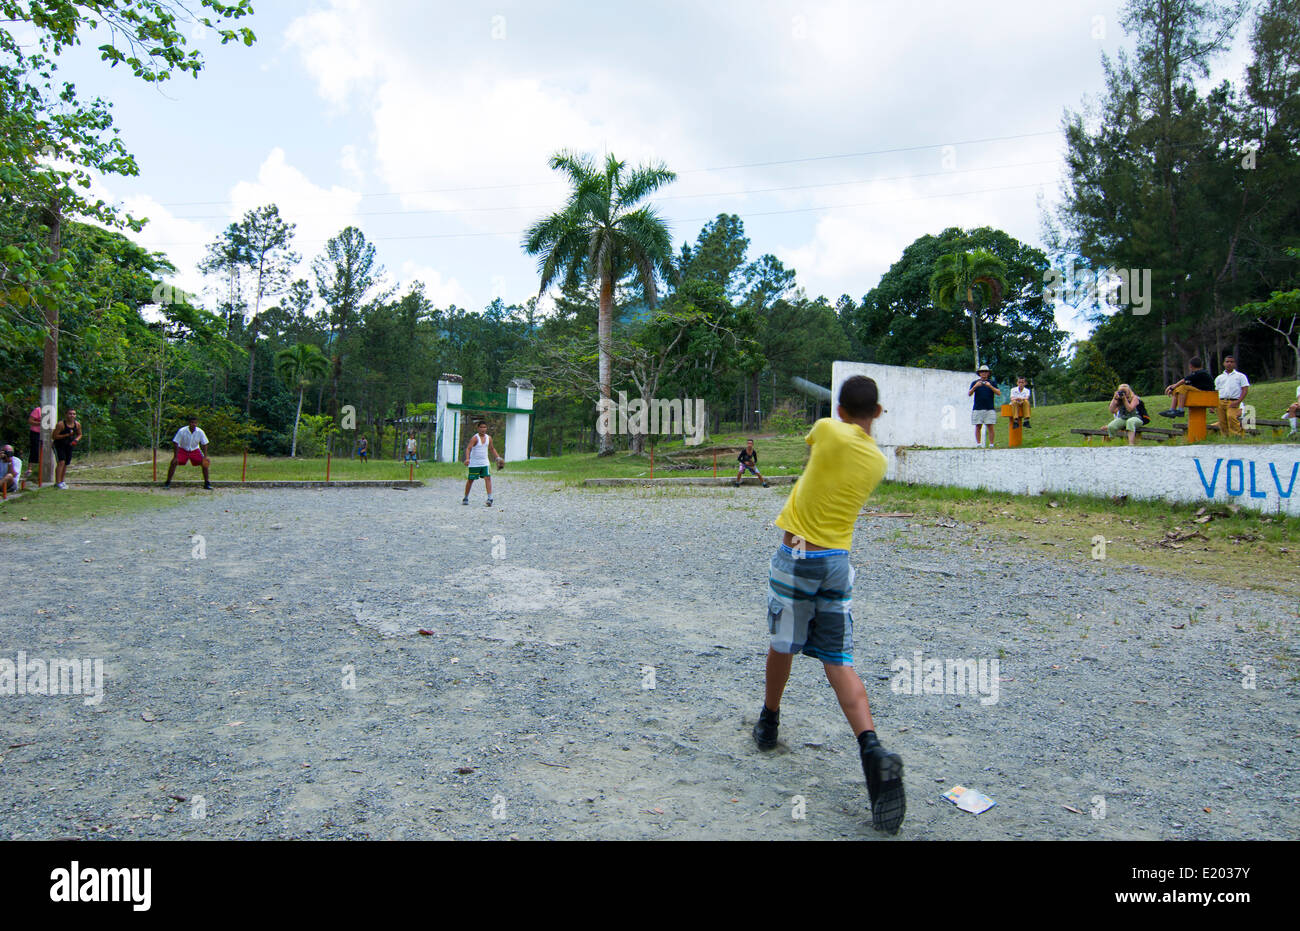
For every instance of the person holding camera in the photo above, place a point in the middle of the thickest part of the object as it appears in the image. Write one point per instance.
(1130, 414)
(983, 413)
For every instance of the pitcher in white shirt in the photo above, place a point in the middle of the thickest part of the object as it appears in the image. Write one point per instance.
(476, 460)
(1233, 386)
(191, 446)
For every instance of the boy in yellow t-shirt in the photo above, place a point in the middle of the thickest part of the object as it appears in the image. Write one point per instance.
(811, 586)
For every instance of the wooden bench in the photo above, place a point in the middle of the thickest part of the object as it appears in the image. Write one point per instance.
(1159, 434)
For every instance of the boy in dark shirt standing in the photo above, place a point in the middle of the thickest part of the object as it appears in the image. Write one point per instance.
(1198, 378)
(748, 460)
(984, 413)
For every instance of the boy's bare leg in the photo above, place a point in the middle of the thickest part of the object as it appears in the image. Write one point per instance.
(171, 469)
(468, 485)
(852, 695)
(487, 483)
(778, 674)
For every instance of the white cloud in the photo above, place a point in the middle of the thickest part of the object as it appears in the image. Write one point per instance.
(318, 213)
(443, 292)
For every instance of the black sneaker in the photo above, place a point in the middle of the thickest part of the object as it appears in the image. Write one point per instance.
(765, 729)
(766, 485)
(884, 772)
(489, 502)
(736, 484)
(1026, 423)
(1169, 413)
(464, 500)
(167, 484)
(207, 486)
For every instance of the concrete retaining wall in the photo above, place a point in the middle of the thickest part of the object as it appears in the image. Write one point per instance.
(1263, 478)
(924, 407)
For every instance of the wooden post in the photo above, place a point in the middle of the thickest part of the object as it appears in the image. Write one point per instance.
(327, 466)
(243, 471)
(1197, 404)
(411, 473)
(715, 463)
(1014, 430)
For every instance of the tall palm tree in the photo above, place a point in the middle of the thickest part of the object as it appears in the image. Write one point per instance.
(602, 235)
(297, 366)
(969, 279)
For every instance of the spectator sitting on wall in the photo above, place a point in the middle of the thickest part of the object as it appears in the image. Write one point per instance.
(11, 469)
(1292, 414)
(1197, 379)
(1020, 409)
(1130, 414)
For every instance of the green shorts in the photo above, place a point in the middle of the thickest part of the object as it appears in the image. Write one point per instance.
(478, 472)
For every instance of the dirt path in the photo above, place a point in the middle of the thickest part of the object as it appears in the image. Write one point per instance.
(527, 713)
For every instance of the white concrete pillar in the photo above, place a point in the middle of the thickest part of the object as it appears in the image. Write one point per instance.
(450, 391)
(519, 396)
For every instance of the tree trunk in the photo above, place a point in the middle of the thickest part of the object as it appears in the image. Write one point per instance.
(974, 332)
(252, 359)
(293, 450)
(50, 369)
(604, 336)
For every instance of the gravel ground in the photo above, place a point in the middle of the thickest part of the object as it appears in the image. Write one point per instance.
(526, 713)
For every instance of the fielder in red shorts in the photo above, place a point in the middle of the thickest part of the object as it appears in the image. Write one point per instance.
(191, 445)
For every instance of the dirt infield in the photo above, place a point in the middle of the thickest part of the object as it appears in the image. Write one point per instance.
(231, 626)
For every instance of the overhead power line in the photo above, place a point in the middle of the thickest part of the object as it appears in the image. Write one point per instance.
(686, 171)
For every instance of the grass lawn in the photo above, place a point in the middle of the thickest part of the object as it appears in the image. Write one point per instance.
(52, 504)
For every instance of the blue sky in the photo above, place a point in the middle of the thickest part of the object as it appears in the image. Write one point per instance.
(838, 131)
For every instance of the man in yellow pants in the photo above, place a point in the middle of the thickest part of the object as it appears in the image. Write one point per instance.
(1233, 386)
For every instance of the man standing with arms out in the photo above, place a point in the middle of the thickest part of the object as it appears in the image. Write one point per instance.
(191, 447)
(984, 413)
(1233, 386)
(66, 435)
(34, 443)
(476, 460)
(810, 586)
(11, 470)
